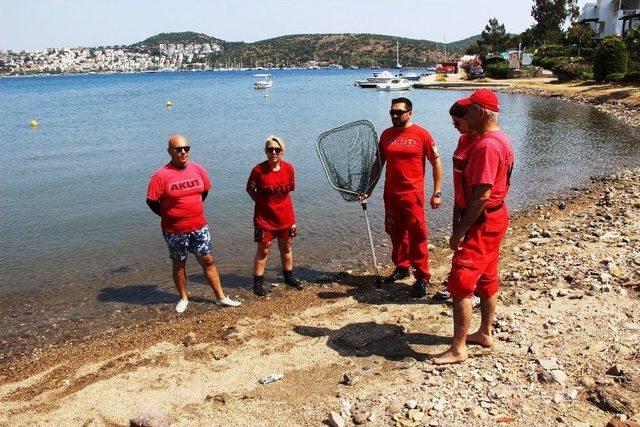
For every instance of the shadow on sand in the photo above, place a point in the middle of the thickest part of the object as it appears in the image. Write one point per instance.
(142, 295)
(371, 338)
(363, 289)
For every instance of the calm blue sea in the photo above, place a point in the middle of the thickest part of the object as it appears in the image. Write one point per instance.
(73, 214)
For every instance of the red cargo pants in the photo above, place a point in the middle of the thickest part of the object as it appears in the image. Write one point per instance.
(404, 221)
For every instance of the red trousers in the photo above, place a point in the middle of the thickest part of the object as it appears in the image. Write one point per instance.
(474, 267)
(404, 221)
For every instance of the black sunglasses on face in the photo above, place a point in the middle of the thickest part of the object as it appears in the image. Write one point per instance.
(276, 150)
(398, 112)
(456, 124)
(186, 149)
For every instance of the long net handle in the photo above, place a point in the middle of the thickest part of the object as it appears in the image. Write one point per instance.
(373, 251)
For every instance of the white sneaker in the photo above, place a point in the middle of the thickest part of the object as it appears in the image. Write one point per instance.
(182, 305)
(228, 302)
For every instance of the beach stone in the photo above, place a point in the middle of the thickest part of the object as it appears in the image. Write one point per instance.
(350, 378)
(499, 392)
(572, 393)
(416, 415)
(618, 422)
(478, 412)
(548, 364)
(557, 398)
(411, 404)
(395, 407)
(335, 419)
(616, 371)
(545, 376)
(150, 418)
(559, 376)
(610, 400)
(359, 418)
(534, 348)
(588, 381)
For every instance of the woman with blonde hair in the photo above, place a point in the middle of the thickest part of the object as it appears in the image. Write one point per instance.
(269, 185)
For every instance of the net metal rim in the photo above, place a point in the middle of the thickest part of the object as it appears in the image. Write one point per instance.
(337, 129)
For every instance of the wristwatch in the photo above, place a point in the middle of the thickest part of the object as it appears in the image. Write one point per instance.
(437, 194)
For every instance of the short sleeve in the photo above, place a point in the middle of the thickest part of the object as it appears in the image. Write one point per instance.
(205, 178)
(155, 188)
(483, 164)
(293, 177)
(252, 182)
(430, 148)
(381, 143)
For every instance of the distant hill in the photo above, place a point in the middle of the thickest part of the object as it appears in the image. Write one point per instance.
(362, 50)
(186, 37)
(462, 45)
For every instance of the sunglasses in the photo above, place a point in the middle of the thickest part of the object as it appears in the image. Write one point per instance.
(398, 112)
(276, 150)
(456, 124)
(186, 149)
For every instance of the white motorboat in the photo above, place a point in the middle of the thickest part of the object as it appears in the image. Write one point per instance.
(381, 77)
(265, 81)
(378, 77)
(395, 84)
(410, 76)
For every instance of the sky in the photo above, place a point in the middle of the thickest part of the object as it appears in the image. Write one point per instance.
(39, 24)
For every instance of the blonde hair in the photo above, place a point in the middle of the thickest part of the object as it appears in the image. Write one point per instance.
(275, 139)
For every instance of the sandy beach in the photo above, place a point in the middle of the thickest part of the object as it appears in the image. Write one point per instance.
(567, 336)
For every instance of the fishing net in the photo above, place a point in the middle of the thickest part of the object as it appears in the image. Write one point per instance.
(349, 156)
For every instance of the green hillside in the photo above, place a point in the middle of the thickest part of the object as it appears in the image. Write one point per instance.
(362, 50)
(186, 37)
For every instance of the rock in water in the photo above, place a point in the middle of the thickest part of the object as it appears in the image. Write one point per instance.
(149, 418)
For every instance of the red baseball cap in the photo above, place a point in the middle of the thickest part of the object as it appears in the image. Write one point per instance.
(484, 98)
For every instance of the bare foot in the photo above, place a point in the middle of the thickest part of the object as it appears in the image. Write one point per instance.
(450, 356)
(480, 339)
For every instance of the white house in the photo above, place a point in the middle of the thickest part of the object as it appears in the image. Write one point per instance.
(608, 17)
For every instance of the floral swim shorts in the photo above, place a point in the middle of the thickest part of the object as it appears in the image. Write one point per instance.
(197, 242)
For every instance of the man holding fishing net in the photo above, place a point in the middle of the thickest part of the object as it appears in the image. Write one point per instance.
(404, 148)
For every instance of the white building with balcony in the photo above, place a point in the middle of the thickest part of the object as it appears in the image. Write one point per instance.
(609, 17)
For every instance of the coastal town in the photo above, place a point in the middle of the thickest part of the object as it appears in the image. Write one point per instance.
(114, 59)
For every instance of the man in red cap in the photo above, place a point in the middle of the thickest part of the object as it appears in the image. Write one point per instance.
(404, 147)
(481, 219)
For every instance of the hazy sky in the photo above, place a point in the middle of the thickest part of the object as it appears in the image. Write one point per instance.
(38, 24)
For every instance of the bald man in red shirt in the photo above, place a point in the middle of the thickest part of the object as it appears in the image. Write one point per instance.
(404, 148)
(481, 219)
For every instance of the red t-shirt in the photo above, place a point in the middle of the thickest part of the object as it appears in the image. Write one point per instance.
(273, 206)
(487, 159)
(465, 144)
(179, 192)
(405, 151)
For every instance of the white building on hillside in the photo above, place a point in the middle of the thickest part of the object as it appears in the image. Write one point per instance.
(608, 17)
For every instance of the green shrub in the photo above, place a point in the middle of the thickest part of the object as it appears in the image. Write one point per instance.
(497, 70)
(633, 77)
(574, 71)
(552, 51)
(615, 78)
(610, 58)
